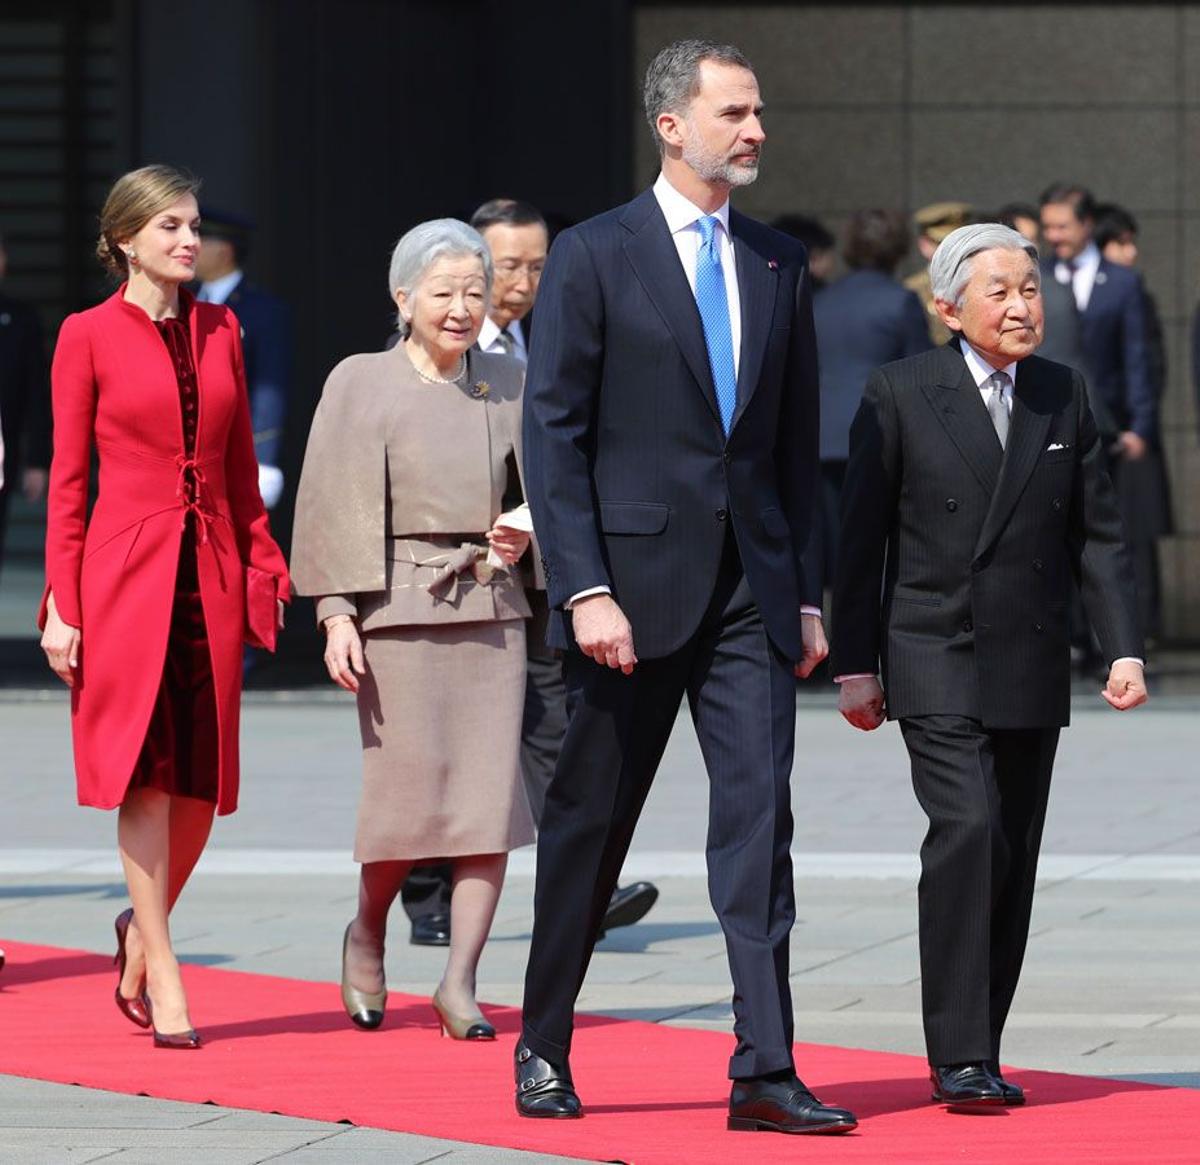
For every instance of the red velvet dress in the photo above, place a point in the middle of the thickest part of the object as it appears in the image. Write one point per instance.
(179, 755)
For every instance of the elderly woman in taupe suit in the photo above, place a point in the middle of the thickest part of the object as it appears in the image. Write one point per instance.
(408, 537)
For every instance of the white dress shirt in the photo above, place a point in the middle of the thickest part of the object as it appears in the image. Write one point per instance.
(219, 290)
(682, 217)
(1083, 280)
(489, 339)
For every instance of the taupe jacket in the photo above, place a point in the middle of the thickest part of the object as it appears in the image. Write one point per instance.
(401, 480)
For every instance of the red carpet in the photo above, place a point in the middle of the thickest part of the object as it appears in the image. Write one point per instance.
(653, 1094)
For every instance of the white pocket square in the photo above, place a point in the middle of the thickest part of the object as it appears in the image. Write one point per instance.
(1054, 446)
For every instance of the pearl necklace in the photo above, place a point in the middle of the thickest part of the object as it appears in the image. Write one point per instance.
(452, 379)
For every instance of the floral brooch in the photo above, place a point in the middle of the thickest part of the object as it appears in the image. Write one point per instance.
(480, 389)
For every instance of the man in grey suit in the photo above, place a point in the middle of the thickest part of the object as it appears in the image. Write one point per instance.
(976, 491)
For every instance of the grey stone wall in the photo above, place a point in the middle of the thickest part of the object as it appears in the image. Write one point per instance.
(902, 105)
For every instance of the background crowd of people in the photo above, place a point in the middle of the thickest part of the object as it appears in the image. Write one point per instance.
(1108, 327)
(1101, 319)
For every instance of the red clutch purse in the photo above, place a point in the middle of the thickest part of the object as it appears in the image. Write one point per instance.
(262, 623)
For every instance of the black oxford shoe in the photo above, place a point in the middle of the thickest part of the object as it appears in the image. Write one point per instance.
(544, 1089)
(629, 904)
(432, 930)
(965, 1085)
(764, 1106)
(1014, 1094)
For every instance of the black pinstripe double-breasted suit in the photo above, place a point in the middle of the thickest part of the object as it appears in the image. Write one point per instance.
(953, 581)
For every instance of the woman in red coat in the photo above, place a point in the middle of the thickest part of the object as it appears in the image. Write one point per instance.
(146, 603)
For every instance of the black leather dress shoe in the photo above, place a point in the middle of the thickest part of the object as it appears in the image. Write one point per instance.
(432, 930)
(629, 904)
(764, 1106)
(1014, 1094)
(963, 1085)
(544, 1089)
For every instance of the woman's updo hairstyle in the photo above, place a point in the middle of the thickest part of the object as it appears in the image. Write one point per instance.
(133, 201)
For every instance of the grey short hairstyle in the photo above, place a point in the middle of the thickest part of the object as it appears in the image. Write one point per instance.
(673, 78)
(950, 267)
(429, 241)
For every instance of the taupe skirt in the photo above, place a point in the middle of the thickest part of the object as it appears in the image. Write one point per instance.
(440, 715)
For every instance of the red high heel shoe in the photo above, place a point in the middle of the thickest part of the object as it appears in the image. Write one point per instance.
(178, 1040)
(136, 1010)
(187, 1039)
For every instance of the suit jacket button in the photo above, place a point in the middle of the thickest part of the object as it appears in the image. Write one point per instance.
(951, 504)
(1038, 565)
(725, 457)
(722, 514)
(968, 626)
(1038, 628)
(1056, 504)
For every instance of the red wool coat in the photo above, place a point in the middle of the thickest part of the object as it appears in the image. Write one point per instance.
(113, 576)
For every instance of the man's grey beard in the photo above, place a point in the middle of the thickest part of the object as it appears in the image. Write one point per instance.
(714, 167)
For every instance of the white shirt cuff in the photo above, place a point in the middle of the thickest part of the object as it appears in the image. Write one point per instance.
(600, 590)
(1130, 659)
(805, 609)
(854, 675)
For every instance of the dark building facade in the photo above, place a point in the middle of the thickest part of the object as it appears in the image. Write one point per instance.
(337, 124)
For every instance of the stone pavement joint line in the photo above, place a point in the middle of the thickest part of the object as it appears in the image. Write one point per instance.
(641, 864)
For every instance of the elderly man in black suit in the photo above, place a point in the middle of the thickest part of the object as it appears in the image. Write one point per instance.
(976, 491)
(671, 422)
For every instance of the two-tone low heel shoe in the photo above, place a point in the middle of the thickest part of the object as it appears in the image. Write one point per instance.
(365, 1008)
(136, 1010)
(461, 1027)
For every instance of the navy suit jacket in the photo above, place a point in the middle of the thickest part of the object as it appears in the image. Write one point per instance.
(1116, 357)
(629, 474)
(267, 343)
(24, 389)
(863, 320)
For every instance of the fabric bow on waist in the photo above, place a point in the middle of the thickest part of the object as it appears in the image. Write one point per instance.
(451, 566)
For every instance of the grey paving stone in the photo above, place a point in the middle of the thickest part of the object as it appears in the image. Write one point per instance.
(199, 1140)
(1109, 986)
(52, 1154)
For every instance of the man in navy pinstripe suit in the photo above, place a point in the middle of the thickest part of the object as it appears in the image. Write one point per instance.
(671, 455)
(975, 491)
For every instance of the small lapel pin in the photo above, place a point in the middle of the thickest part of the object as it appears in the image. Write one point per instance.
(1101, 277)
(773, 264)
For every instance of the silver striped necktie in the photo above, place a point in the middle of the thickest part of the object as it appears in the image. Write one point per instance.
(996, 407)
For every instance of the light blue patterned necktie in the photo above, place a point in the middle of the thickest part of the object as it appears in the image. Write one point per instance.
(714, 317)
